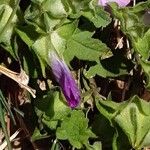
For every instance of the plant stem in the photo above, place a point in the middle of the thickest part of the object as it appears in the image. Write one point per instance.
(2, 120)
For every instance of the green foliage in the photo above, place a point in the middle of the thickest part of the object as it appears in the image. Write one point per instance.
(143, 44)
(51, 109)
(131, 116)
(60, 33)
(75, 129)
(6, 11)
(134, 26)
(37, 135)
(81, 42)
(132, 20)
(102, 128)
(45, 16)
(145, 65)
(98, 16)
(8, 20)
(112, 66)
(84, 36)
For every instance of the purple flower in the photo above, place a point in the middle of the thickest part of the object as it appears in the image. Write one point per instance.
(64, 77)
(121, 3)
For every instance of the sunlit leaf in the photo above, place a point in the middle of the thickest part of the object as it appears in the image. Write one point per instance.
(83, 46)
(75, 129)
(132, 117)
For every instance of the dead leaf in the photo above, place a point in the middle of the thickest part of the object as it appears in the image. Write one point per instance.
(4, 144)
(21, 78)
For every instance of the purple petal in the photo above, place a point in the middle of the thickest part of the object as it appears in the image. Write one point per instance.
(102, 2)
(64, 77)
(121, 3)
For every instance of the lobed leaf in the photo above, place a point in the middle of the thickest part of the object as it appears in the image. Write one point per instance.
(75, 129)
(132, 117)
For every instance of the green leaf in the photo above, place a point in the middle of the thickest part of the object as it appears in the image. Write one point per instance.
(75, 129)
(131, 19)
(43, 45)
(112, 66)
(28, 58)
(50, 22)
(41, 48)
(58, 42)
(5, 13)
(97, 146)
(8, 20)
(55, 7)
(27, 34)
(51, 108)
(67, 29)
(48, 14)
(5, 2)
(83, 46)
(102, 128)
(11, 3)
(107, 108)
(146, 68)
(134, 123)
(98, 16)
(37, 135)
(45, 15)
(132, 117)
(120, 141)
(89, 10)
(100, 70)
(143, 45)
(34, 17)
(132, 24)
(67, 39)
